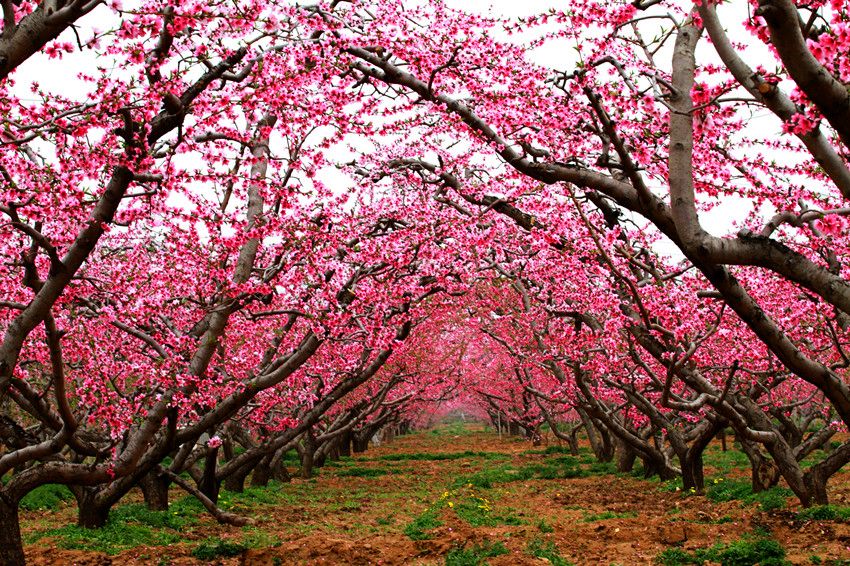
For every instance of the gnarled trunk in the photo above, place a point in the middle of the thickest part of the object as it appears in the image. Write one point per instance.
(11, 546)
(345, 443)
(765, 473)
(263, 472)
(155, 490)
(626, 456)
(209, 484)
(91, 512)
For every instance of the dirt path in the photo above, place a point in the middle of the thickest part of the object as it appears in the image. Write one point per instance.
(457, 495)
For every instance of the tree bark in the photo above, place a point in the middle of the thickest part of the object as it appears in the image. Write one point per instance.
(11, 546)
(235, 482)
(91, 513)
(263, 472)
(209, 485)
(155, 490)
(345, 444)
(626, 457)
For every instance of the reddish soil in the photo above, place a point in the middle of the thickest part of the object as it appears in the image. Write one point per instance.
(337, 519)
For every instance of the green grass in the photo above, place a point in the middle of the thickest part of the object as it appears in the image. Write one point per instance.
(215, 548)
(442, 456)
(176, 518)
(550, 450)
(730, 490)
(545, 527)
(47, 497)
(418, 528)
(538, 548)
(507, 473)
(475, 555)
(605, 515)
(750, 551)
(356, 471)
(825, 513)
(114, 537)
(727, 461)
(252, 497)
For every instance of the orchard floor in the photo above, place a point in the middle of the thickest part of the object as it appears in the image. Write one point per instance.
(460, 495)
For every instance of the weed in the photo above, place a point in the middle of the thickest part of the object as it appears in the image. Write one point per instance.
(252, 537)
(355, 471)
(730, 490)
(442, 456)
(726, 461)
(214, 548)
(114, 537)
(825, 513)
(602, 468)
(46, 497)
(476, 555)
(418, 528)
(538, 548)
(545, 527)
(749, 551)
(176, 518)
(550, 450)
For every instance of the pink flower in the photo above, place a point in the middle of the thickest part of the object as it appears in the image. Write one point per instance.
(214, 442)
(832, 225)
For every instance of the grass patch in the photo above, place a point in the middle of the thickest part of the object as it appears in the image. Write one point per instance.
(550, 450)
(546, 550)
(725, 462)
(442, 456)
(128, 526)
(418, 528)
(605, 515)
(253, 537)
(475, 555)
(113, 538)
(825, 513)
(215, 548)
(46, 497)
(360, 472)
(545, 527)
(744, 552)
(507, 473)
(730, 490)
(175, 518)
(602, 468)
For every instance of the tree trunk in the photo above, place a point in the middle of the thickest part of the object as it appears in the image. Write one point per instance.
(817, 487)
(235, 482)
(573, 439)
(209, 485)
(11, 546)
(307, 463)
(345, 444)
(263, 472)
(155, 490)
(308, 454)
(91, 513)
(693, 476)
(333, 450)
(361, 443)
(765, 473)
(281, 474)
(625, 457)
